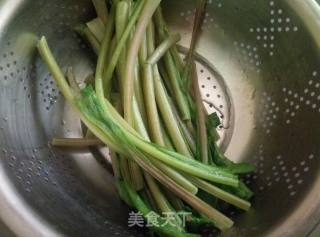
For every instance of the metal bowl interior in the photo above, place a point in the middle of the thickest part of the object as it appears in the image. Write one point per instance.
(258, 63)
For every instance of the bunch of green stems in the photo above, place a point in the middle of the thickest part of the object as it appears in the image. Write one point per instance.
(145, 105)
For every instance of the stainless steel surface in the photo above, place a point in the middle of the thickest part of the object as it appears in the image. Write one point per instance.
(260, 67)
(5, 231)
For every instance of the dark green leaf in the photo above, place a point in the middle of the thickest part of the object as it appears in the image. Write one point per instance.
(213, 121)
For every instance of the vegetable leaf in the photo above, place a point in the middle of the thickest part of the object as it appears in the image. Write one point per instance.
(213, 121)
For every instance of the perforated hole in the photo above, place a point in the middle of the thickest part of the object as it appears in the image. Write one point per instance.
(189, 15)
(269, 106)
(279, 23)
(290, 176)
(310, 98)
(49, 92)
(249, 55)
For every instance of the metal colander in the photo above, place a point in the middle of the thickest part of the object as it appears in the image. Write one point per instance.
(259, 69)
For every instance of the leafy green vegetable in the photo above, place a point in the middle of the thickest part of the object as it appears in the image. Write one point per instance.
(163, 144)
(213, 121)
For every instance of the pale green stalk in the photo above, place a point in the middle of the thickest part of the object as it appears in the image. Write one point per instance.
(121, 20)
(167, 141)
(135, 170)
(55, 70)
(175, 202)
(122, 16)
(138, 93)
(175, 80)
(125, 170)
(177, 177)
(136, 175)
(149, 93)
(101, 9)
(173, 73)
(164, 32)
(168, 116)
(151, 106)
(115, 158)
(161, 200)
(143, 51)
(103, 55)
(163, 48)
(157, 194)
(200, 118)
(97, 28)
(221, 194)
(185, 131)
(87, 34)
(115, 165)
(72, 81)
(140, 30)
(139, 124)
(112, 63)
(165, 77)
(113, 44)
(157, 137)
(177, 58)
